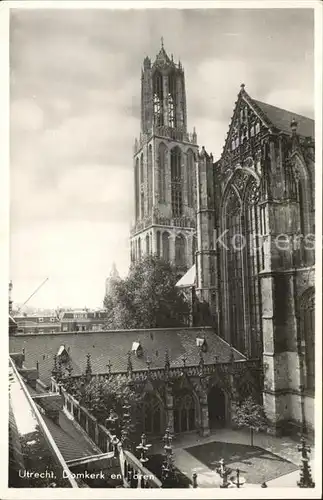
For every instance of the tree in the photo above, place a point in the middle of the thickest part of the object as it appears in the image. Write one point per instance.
(147, 298)
(250, 414)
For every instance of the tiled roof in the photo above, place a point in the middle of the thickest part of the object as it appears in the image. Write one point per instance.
(69, 440)
(114, 346)
(281, 119)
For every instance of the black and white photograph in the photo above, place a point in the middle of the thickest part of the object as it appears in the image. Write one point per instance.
(159, 297)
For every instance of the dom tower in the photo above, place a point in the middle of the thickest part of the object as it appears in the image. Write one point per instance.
(164, 167)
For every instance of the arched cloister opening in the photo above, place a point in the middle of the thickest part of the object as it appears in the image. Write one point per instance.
(151, 415)
(217, 407)
(185, 411)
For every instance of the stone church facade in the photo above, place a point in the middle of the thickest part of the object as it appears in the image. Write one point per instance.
(245, 221)
(255, 257)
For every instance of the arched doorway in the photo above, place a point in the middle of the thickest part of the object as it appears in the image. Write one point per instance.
(216, 406)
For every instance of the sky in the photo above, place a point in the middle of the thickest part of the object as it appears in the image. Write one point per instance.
(75, 113)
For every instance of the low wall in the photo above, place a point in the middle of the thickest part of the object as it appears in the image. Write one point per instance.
(134, 474)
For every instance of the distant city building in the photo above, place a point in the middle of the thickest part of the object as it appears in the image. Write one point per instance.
(37, 324)
(82, 320)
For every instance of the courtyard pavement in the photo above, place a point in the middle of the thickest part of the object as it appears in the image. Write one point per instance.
(283, 447)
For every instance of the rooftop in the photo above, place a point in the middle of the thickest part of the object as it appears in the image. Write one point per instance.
(113, 347)
(281, 119)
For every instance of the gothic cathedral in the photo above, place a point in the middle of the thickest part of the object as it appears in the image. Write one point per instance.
(242, 225)
(164, 166)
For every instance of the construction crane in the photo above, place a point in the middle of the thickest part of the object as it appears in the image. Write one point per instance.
(43, 283)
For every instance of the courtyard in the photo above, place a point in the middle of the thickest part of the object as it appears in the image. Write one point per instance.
(256, 465)
(274, 460)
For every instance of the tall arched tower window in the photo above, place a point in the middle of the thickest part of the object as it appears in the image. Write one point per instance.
(147, 243)
(162, 159)
(158, 99)
(142, 169)
(190, 178)
(307, 332)
(137, 196)
(172, 100)
(176, 181)
(180, 251)
(165, 243)
(149, 178)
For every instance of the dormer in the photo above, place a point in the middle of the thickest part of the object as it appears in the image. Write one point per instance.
(137, 349)
(201, 343)
(63, 354)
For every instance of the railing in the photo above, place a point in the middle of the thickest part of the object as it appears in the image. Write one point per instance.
(134, 474)
(38, 442)
(163, 221)
(167, 132)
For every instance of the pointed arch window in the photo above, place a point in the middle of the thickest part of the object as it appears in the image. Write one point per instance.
(137, 196)
(142, 205)
(142, 169)
(171, 111)
(180, 251)
(149, 178)
(242, 263)
(158, 99)
(234, 268)
(176, 182)
(253, 262)
(162, 164)
(172, 100)
(190, 178)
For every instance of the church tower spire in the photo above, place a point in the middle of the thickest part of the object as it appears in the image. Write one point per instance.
(164, 166)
